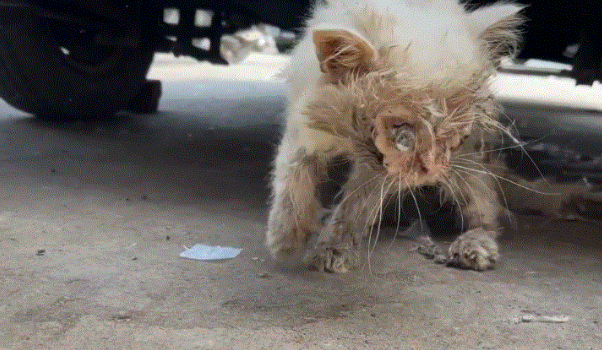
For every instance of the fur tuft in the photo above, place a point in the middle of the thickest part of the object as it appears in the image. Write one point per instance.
(499, 26)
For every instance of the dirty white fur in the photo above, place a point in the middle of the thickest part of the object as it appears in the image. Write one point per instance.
(444, 42)
(430, 43)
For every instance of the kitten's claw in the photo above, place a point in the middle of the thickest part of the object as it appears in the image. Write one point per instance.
(333, 259)
(475, 249)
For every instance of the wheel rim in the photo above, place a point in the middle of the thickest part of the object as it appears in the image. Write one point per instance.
(77, 47)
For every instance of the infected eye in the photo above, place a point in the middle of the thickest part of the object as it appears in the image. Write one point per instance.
(403, 136)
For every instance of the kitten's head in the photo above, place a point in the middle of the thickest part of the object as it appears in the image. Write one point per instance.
(402, 118)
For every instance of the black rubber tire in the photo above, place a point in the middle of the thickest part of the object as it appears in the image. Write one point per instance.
(37, 77)
(289, 15)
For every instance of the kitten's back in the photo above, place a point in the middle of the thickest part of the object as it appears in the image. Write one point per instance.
(432, 41)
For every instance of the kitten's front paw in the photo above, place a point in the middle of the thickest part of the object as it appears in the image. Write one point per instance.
(282, 243)
(475, 249)
(333, 259)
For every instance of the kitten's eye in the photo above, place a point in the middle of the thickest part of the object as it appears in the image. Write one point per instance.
(403, 135)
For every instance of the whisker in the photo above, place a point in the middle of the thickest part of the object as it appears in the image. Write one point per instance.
(371, 217)
(417, 206)
(380, 219)
(347, 195)
(474, 176)
(375, 211)
(398, 213)
(456, 173)
(449, 184)
(496, 180)
(518, 144)
(464, 200)
(497, 166)
(398, 206)
(507, 180)
(469, 188)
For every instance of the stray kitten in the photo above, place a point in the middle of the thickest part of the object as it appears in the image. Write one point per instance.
(399, 88)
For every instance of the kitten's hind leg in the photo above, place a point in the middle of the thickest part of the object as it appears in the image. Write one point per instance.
(295, 208)
(338, 246)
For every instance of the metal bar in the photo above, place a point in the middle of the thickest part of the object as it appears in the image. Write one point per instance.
(537, 71)
(56, 15)
(217, 27)
(175, 30)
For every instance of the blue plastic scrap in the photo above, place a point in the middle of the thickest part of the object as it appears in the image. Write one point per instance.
(206, 252)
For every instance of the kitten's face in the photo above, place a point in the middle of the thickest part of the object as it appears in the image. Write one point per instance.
(411, 127)
(417, 140)
(411, 135)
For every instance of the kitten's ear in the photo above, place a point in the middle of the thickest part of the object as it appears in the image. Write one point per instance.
(341, 51)
(498, 25)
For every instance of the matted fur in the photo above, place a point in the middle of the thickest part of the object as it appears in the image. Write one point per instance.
(363, 69)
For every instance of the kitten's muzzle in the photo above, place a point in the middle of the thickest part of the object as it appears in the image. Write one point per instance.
(418, 170)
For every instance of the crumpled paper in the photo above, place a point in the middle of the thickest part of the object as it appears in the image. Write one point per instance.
(207, 252)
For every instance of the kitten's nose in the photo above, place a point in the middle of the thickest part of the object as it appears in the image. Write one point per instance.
(427, 162)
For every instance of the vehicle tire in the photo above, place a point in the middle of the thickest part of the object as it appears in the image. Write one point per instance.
(55, 70)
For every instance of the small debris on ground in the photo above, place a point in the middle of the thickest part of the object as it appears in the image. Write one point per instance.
(420, 233)
(430, 250)
(206, 252)
(543, 319)
(441, 259)
(41, 252)
(264, 275)
(122, 316)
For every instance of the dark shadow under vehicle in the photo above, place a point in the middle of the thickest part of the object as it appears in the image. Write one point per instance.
(64, 59)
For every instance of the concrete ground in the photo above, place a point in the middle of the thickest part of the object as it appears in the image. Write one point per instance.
(94, 214)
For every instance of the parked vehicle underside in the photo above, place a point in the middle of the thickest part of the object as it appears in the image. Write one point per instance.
(78, 59)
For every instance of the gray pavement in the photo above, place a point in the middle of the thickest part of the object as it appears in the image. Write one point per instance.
(94, 214)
